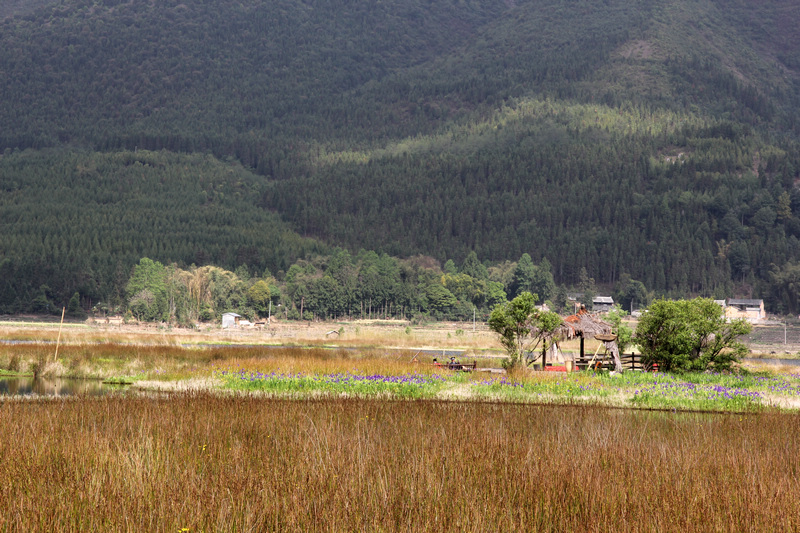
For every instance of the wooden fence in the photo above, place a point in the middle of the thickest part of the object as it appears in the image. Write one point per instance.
(630, 361)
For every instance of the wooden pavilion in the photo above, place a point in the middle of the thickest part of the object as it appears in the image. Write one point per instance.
(585, 325)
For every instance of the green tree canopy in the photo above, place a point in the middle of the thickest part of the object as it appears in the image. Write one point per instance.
(439, 298)
(259, 295)
(523, 276)
(786, 286)
(474, 268)
(630, 292)
(147, 290)
(622, 330)
(74, 309)
(690, 335)
(521, 326)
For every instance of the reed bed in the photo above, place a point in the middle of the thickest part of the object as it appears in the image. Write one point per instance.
(397, 373)
(177, 362)
(101, 360)
(324, 361)
(208, 463)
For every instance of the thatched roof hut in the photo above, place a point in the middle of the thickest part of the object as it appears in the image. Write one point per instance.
(585, 325)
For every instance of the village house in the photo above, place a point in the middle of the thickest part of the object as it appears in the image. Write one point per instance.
(751, 310)
(602, 304)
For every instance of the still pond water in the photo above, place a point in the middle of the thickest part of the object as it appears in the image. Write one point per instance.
(27, 386)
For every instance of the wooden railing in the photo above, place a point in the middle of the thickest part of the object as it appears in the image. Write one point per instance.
(460, 367)
(630, 361)
(633, 361)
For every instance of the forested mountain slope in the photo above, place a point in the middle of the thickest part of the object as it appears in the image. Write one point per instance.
(78, 221)
(655, 139)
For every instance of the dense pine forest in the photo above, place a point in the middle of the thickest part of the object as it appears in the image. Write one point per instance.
(630, 147)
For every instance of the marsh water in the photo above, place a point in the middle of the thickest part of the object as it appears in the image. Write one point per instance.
(28, 386)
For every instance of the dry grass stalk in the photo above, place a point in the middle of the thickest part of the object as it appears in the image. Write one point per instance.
(243, 464)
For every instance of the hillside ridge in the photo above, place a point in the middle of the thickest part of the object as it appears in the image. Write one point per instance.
(651, 139)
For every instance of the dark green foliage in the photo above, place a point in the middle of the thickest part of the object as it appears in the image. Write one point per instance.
(631, 294)
(690, 335)
(474, 268)
(439, 298)
(786, 287)
(619, 137)
(80, 221)
(42, 304)
(74, 309)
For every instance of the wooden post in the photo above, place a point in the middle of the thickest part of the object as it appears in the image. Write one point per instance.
(58, 341)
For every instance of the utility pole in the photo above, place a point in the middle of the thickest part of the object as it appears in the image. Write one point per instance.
(55, 357)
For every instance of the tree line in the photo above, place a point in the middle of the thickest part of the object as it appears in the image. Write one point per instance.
(328, 287)
(341, 285)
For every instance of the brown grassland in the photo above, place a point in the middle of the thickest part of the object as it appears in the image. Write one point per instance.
(149, 352)
(200, 462)
(357, 333)
(229, 461)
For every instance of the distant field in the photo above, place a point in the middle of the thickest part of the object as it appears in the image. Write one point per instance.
(41, 324)
(364, 333)
(370, 361)
(477, 338)
(775, 340)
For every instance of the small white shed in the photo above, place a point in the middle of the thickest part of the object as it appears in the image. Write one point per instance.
(230, 320)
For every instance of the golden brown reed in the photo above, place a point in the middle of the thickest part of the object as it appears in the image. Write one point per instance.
(173, 362)
(292, 360)
(210, 463)
(103, 359)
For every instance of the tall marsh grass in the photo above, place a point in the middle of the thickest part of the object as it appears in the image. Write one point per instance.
(210, 463)
(176, 362)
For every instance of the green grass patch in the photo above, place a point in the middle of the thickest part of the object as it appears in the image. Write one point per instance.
(13, 373)
(410, 386)
(701, 392)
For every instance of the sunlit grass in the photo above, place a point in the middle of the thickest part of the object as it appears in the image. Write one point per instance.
(244, 463)
(407, 386)
(348, 334)
(698, 392)
(155, 365)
